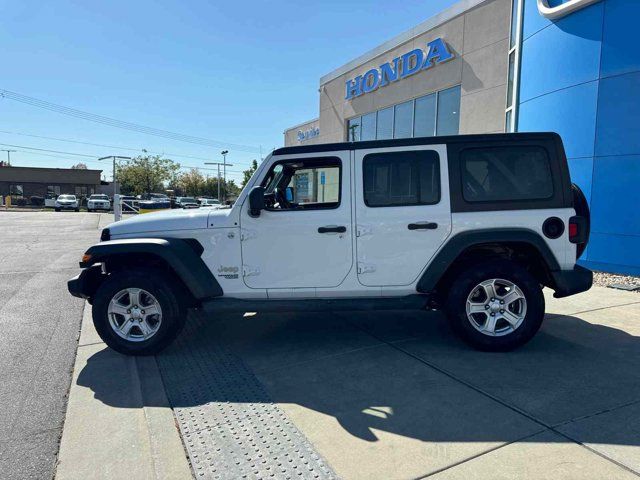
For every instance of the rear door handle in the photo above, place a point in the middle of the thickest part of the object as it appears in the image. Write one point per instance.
(332, 229)
(422, 226)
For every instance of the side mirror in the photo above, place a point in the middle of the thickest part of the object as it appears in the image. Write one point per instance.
(256, 201)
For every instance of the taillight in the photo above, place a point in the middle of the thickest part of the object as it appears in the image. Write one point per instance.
(573, 231)
(577, 230)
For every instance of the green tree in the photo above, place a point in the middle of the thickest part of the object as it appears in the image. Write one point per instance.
(146, 174)
(79, 166)
(247, 174)
(192, 183)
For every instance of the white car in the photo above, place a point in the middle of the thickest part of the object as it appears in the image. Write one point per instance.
(209, 203)
(98, 202)
(67, 202)
(472, 224)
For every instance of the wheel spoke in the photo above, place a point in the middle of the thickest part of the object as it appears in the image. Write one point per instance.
(151, 310)
(511, 297)
(490, 325)
(511, 317)
(490, 289)
(126, 326)
(477, 308)
(134, 296)
(119, 309)
(144, 328)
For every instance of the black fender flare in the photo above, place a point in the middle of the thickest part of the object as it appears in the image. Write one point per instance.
(462, 241)
(182, 255)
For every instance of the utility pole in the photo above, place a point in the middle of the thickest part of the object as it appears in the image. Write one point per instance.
(224, 171)
(8, 155)
(115, 158)
(224, 166)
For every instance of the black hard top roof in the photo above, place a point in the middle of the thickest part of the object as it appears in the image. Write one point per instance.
(403, 142)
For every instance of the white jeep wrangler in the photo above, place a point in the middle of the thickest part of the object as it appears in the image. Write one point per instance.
(474, 224)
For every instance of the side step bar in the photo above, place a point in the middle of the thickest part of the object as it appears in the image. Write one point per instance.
(223, 305)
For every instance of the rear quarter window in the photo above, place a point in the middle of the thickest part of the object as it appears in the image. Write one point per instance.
(506, 174)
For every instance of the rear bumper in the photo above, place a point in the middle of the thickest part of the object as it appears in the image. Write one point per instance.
(85, 284)
(570, 282)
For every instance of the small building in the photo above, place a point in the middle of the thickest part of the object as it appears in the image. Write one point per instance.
(26, 182)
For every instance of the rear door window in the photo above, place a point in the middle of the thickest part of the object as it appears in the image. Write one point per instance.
(511, 173)
(396, 179)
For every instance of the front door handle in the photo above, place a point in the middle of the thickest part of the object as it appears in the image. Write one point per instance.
(422, 226)
(332, 229)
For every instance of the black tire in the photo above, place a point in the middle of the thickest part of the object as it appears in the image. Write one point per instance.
(89, 210)
(57, 209)
(466, 283)
(158, 284)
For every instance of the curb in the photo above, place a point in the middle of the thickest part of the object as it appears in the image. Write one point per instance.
(119, 423)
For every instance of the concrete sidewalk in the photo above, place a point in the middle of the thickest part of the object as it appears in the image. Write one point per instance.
(131, 434)
(389, 395)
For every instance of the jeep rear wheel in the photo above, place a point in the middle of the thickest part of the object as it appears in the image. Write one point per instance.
(137, 313)
(496, 306)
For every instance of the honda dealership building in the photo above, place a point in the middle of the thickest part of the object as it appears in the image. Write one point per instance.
(485, 66)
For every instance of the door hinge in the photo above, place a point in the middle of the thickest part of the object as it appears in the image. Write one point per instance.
(247, 234)
(248, 271)
(362, 230)
(366, 267)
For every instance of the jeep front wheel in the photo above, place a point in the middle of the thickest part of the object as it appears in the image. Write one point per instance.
(496, 306)
(137, 313)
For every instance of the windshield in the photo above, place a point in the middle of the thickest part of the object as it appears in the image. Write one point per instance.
(210, 201)
(67, 197)
(98, 197)
(188, 199)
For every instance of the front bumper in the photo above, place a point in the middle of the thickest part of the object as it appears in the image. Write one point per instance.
(570, 282)
(67, 207)
(85, 284)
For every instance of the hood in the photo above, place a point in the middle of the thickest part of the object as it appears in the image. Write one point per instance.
(169, 221)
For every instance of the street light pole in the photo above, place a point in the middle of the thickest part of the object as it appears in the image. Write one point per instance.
(8, 155)
(224, 171)
(114, 157)
(224, 166)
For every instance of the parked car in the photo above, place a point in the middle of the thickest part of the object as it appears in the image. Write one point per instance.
(98, 201)
(474, 225)
(67, 202)
(210, 202)
(186, 202)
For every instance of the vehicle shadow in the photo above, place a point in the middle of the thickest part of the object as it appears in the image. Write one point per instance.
(402, 373)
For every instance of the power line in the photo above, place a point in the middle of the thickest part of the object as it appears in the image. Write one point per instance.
(111, 146)
(182, 167)
(35, 102)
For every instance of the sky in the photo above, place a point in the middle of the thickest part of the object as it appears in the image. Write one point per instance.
(235, 72)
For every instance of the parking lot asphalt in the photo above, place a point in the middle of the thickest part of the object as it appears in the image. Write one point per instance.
(39, 325)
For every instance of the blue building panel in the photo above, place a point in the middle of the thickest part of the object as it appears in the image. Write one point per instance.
(619, 115)
(620, 52)
(562, 55)
(580, 77)
(570, 112)
(616, 184)
(581, 170)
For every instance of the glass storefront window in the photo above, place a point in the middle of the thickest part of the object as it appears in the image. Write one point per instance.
(514, 23)
(384, 128)
(512, 57)
(434, 114)
(403, 120)
(425, 116)
(353, 130)
(368, 127)
(448, 121)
